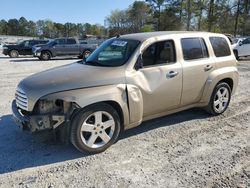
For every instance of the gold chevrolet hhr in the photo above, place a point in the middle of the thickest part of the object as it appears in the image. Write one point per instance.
(127, 80)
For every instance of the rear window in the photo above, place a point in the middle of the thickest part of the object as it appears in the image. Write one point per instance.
(194, 48)
(220, 46)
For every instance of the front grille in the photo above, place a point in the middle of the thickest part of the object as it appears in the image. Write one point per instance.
(21, 99)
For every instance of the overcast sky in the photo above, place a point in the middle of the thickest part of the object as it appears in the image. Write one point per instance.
(76, 11)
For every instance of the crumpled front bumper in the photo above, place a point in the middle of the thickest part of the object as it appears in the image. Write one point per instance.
(36, 123)
(22, 121)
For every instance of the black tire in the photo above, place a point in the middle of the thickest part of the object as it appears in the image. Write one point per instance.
(14, 54)
(76, 133)
(211, 108)
(236, 55)
(45, 55)
(86, 53)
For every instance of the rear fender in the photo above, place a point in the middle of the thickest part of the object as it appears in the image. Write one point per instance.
(215, 77)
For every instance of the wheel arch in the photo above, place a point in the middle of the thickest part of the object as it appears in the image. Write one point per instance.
(47, 50)
(228, 75)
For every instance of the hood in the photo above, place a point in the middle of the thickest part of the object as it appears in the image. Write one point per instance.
(69, 77)
(11, 45)
(40, 45)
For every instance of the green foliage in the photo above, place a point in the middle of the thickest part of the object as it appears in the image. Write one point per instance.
(49, 29)
(224, 16)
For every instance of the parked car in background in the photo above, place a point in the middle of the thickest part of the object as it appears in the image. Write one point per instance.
(128, 80)
(1, 46)
(63, 47)
(22, 48)
(242, 48)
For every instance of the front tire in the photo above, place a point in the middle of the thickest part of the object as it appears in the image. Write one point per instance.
(86, 53)
(14, 54)
(220, 99)
(95, 128)
(45, 55)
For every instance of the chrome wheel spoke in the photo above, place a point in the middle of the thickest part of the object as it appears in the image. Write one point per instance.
(220, 107)
(216, 103)
(225, 99)
(224, 93)
(98, 118)
(87, 127)
(94, 132)
(219, 93)
(105, 137)
(91, 140)
(108, 124)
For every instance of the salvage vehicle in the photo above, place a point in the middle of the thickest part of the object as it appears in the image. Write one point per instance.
(242, 48)
(63, 47)
(22, 48)
(127, 80)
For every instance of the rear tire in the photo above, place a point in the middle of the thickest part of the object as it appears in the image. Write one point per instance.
(14, 54)
(95, 128)
(220, 99)
(45, 55)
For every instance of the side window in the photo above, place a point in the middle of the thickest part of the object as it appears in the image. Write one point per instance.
(71, 41)
(246, 41)
(60, 41)
(220, 46)
(194, 48)
(159, 53)
(32, 43)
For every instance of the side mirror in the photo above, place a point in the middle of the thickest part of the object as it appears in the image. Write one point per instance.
(139, 63)
(240, 43)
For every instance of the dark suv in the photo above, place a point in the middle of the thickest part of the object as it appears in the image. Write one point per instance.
(22, 48)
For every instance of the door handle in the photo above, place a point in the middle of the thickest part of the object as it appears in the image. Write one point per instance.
(208, 67)
(172, 74)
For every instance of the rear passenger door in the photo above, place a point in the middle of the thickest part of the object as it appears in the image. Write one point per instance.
(197, 65)
(71, 48)
(58, 49)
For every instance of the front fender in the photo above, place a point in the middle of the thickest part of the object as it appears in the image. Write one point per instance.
(215, 77)
(87, 96)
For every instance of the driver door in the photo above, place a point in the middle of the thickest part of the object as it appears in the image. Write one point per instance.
(159, 79)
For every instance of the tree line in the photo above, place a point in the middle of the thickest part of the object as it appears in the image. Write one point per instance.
(223, 16)
(49, 29)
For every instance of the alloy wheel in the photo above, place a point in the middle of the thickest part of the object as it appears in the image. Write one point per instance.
(97, 129)
(221, 99)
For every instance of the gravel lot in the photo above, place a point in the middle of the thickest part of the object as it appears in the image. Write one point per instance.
(187, 149)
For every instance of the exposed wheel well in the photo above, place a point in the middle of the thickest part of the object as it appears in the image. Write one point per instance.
(229, 81)
(118, 108)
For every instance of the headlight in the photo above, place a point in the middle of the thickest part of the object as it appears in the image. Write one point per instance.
(37, 48)
(5, 48)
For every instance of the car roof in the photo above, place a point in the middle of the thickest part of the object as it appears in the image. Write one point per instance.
(145, 36)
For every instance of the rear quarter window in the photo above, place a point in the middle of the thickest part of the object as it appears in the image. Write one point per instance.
(194, 48)
(220, 46)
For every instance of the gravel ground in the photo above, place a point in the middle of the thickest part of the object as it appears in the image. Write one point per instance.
(187, 149)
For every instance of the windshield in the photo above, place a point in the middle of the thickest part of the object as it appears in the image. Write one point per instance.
(113, 52)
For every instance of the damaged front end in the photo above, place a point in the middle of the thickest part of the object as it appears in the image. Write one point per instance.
(46, 115)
